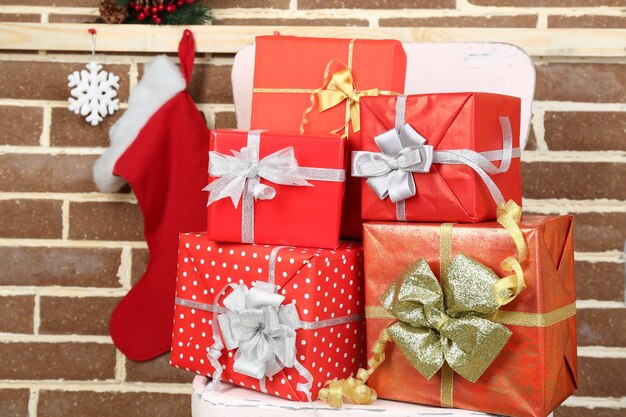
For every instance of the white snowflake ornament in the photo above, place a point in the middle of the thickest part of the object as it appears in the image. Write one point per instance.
(94, 93)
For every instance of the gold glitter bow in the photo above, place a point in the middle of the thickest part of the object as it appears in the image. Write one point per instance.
(448, 322)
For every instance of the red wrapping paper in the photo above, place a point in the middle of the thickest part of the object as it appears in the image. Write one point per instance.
(324, 284)
(297, 215)
(453, 121)
(288, 62)
(537, 369)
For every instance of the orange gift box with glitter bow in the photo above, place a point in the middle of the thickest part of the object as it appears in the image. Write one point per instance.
(453, 343)
(313, 85)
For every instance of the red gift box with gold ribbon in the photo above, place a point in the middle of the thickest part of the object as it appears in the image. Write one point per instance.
(277, 319)
(520, 356)
(321, 80)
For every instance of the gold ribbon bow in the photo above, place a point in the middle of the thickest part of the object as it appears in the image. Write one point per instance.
(341, 87)
(447, 322)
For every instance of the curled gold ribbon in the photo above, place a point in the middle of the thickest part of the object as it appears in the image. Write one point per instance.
(354, 389)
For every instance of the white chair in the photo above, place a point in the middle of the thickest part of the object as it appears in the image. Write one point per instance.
(433, 68)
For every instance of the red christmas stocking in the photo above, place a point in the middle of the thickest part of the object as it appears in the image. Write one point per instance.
(160, 146)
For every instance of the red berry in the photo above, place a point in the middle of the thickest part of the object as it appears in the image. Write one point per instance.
(189, 1)
(137, 7)
(154, 10)
(161, 7)
(180, 2)
(131, 4)
(146, 10)
(155, 17)
(157, 20)
(141, 16)
(171, 8)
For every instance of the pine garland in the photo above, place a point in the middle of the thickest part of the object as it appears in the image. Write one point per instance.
(188, 14)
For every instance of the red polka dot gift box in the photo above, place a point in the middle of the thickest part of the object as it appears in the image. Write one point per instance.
(276, 319)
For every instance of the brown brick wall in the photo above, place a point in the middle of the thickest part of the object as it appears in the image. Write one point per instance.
(69, 253)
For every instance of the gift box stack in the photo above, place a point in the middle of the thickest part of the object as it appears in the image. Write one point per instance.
(457, 299)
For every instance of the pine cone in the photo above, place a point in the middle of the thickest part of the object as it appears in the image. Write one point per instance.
(111, 12)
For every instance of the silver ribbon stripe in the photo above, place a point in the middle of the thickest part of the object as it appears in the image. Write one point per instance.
(404, 151)
(238, 177)
(255, 322)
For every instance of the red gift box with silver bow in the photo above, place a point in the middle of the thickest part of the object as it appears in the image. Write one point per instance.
(449, 157)
(277, 319)
(275, 188)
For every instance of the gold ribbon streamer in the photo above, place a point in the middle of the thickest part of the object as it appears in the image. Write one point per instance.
(355, 389)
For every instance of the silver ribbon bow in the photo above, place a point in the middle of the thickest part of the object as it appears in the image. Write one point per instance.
(261, 329)
(238, 177)
(240, 173)
(390, 173)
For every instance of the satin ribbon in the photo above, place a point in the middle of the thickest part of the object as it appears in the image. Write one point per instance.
(404, 151)
(389, 173)
(339, 88)
(238, 177)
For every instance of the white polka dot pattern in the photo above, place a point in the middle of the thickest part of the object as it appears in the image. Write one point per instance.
(323, 284)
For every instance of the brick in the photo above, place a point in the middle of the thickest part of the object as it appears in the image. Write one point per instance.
(376, 4)
(225, 120)
(601, 377)
(588, 21)
(30, 80)
(605, 83)
(520, 21)
(20, 309)
(291, 22)
(106, 221)
(19, 17)
(211, 84)
(548, 3)
(601, 327)
(76, 315)
(112, 404)
(139, 264)
(575, 180)
(598, 232)
(585, 131)
(20, 125)
(564, 411)
(531, 144)
(47, 173)
(31, 219)
(156, 370)
(600, 281)
(42, 266)
(71, 18)
(223, 4)
(14, 402)
(69, 130)
(72, 361)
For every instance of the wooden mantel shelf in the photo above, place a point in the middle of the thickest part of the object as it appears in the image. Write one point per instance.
(230, 39)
